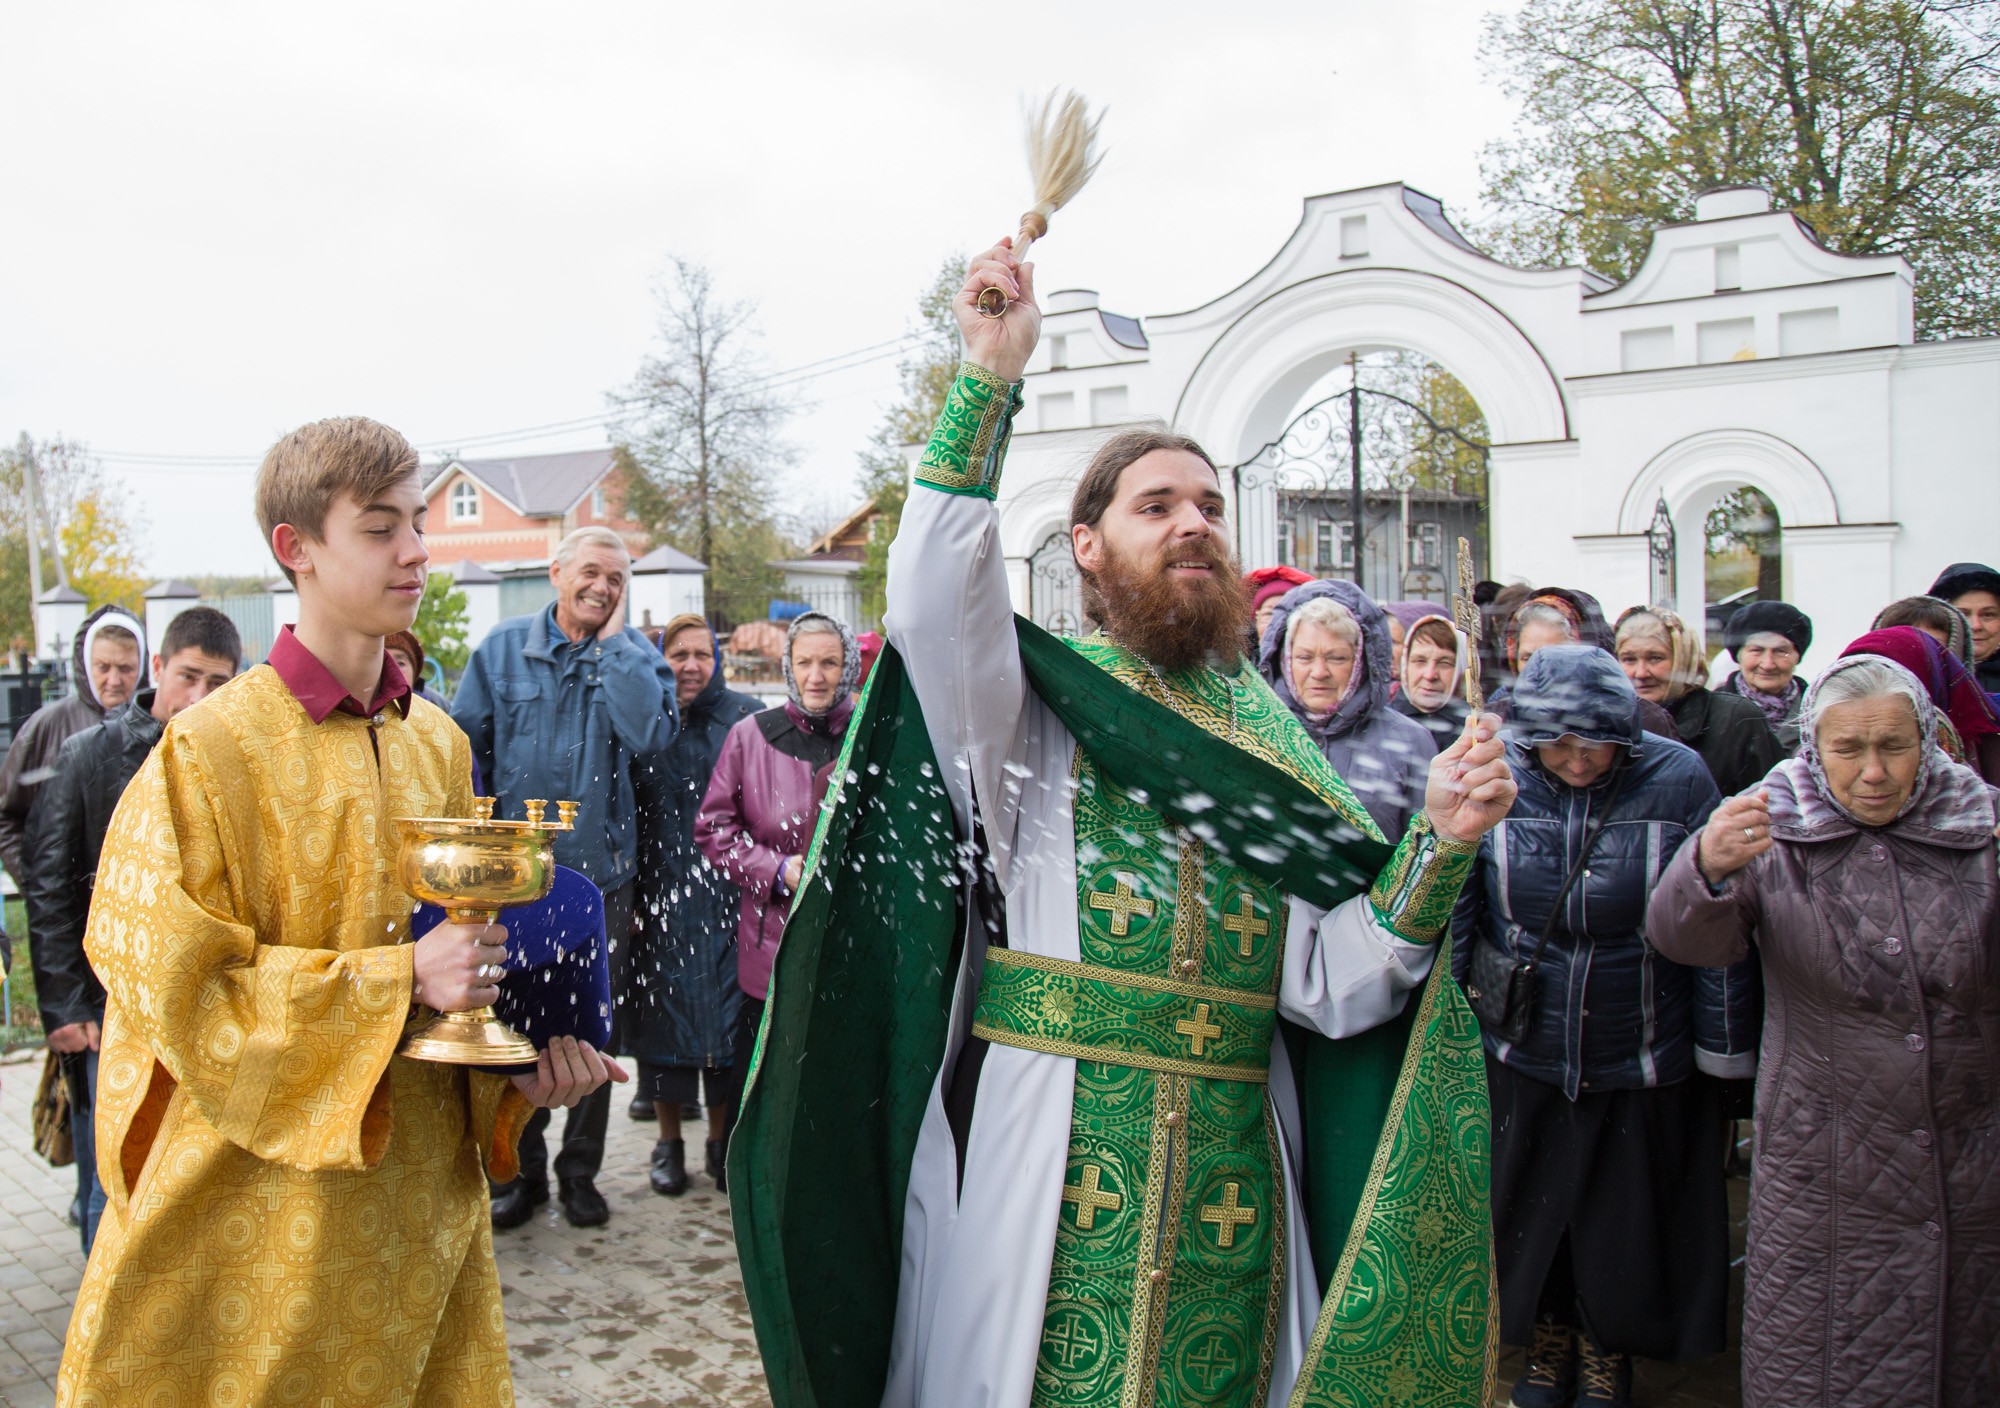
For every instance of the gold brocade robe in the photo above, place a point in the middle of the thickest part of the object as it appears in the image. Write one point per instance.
(294, 1213)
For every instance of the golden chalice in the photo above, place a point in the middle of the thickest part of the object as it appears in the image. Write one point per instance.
(472, 869)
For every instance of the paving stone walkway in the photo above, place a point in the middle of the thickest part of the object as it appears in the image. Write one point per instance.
(645, 1313)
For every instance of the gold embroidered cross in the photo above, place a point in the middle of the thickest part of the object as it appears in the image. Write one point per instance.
(1090, 1199)
(1071, 1340)
(1228, 1216)
(1211, 1363)
(1245, 924)
(1121, 904)
(1198, 1029)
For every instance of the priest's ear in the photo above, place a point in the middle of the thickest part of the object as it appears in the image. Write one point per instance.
(1086, 541)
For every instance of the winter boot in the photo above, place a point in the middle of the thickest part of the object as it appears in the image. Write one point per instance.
(718, 1165)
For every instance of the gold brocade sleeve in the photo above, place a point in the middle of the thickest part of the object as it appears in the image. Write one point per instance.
(499, 1110)
(280, 1049)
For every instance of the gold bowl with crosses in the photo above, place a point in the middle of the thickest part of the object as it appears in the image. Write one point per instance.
(473, 868)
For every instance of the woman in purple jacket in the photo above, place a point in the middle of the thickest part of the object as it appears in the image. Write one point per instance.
(763, 801)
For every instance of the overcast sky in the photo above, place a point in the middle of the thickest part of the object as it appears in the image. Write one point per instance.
(225, 220)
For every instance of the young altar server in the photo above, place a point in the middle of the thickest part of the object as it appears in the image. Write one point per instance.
(295, 1213)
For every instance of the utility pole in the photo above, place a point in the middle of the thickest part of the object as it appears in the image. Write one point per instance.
(1354, 452)
(38, 516)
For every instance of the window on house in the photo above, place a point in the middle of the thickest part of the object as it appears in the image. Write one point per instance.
(1058, 352)
(1427, 545)
(464, 501)
(1286, 531)
(1333, 545)
(597, 510)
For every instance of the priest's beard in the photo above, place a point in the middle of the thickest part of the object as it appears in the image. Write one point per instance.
(1178, 623)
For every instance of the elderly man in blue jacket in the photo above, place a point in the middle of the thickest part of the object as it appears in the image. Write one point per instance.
(567, 705)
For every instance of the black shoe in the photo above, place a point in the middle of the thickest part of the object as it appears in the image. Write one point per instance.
(582, 1204)
(718, 1165)
(1603, 1380)
(670, 1173)
(641, 1107)
(1551, 1372)
(514, 1203)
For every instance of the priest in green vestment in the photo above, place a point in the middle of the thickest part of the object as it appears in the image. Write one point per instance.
(1108, 1061)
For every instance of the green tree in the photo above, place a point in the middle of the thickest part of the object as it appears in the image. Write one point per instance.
(1876, 121)
(925, 376)
(443, 624)
(700, 454)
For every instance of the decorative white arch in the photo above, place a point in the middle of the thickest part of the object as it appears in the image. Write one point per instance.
(1701, 468)
(1252, 376)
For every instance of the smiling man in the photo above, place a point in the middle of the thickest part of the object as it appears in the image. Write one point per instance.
(569, 705)
(1077, 1071)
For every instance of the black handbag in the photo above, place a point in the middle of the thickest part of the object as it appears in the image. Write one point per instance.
(1500, 985)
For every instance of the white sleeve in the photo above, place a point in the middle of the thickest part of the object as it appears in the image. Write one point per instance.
(951, 618)
(1345, 971)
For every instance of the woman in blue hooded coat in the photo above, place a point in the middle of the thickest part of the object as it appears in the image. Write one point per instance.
(1609, 1209)
(682, 1012)
(1326, 654)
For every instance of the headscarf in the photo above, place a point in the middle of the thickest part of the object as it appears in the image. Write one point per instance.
(1779, 618)
(1459, 657)
(1776, 708)
(1367, 688)
(1411, 612)
(1948, 803)
(1267, 582)
(1947, 683)
(1579, 608)
(97, 621)
(1954, 625)
(1687, 670)
(834, 717)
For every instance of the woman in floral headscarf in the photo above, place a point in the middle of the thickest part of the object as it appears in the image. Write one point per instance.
(1666, 664)
(1863, 873)
(762, 803)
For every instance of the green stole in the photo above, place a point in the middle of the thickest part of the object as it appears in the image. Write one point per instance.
(1397, 1138)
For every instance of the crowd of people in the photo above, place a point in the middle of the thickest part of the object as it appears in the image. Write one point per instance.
(1767, 885)
(1702, 890)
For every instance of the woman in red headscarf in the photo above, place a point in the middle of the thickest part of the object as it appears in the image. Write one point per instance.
(1968, 724)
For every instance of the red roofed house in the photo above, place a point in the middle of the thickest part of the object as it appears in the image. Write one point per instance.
(513, 512)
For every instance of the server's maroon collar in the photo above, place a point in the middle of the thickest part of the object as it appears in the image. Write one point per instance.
(319, 693)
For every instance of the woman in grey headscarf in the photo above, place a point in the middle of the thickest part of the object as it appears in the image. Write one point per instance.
(1326, 654)
(1863, 871)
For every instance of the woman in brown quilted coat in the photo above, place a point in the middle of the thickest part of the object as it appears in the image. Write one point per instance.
(1864, 870)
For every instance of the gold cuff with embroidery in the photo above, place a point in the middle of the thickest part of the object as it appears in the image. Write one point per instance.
(970, 438)
(1416, 890)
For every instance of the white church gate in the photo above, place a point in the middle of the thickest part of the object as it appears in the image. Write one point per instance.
(1742, 353)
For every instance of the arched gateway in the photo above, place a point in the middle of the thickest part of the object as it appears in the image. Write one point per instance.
(1742, 354)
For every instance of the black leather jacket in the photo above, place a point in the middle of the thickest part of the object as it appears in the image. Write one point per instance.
(65, 833)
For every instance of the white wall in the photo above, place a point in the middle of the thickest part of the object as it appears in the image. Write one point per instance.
(667, 595)
(1882, 455)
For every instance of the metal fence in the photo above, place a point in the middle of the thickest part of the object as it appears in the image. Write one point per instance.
(255, 620)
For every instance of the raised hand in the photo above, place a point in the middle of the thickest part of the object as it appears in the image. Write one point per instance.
(1737, 833)
(1470, 786)
(1002, 345)
(458, 966)
(565, 1072)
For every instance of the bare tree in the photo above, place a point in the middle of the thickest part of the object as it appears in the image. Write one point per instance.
(704, 440)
